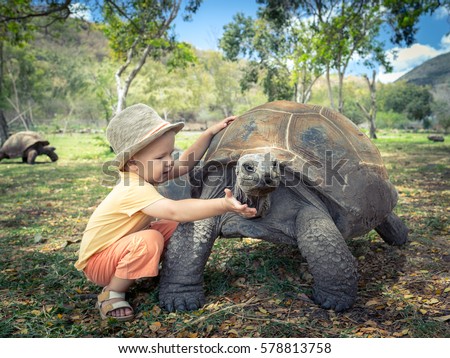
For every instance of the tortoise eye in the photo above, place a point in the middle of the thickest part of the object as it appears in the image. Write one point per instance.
(249, 168)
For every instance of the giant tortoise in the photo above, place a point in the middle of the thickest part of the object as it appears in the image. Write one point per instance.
(316, 181)
(27, 145)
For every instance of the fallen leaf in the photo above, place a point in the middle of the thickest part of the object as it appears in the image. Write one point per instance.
(373, 302)
(442, 318)
(156, 310)
(155, 326)
(262, 310)
(401, 334)
(38, 239)
(239, 282)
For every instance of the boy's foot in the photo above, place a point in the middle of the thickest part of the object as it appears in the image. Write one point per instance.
(112, 304)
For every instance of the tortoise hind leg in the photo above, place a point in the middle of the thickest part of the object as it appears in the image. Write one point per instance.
(331, 263)
(31, 156)
(393, 231)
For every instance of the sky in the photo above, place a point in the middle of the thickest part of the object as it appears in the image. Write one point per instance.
(206, 27)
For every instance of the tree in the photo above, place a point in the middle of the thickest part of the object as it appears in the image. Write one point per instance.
(345, 28)
(403, 97)
(283, 56)
(441, 110)
(18, 24)
(140, 29)
(307, 65)
(371, 112)
(340, 30)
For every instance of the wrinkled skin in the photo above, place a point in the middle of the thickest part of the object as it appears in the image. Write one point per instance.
(315, 180)
(296, 216)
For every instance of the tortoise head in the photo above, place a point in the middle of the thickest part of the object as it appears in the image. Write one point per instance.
(257, 175)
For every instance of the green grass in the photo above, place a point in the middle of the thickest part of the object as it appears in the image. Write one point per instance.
(254, 288)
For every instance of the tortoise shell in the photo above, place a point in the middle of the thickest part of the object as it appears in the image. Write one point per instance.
(18, 143)
(321, 146)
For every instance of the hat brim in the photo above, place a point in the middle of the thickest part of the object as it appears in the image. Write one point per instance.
(125, 155)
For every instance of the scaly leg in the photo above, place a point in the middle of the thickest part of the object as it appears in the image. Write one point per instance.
(330, 261)
(31, 156)
(181, 284)
(393, 231)
(50, 152)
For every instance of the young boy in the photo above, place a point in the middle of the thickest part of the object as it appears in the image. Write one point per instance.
(122, 241)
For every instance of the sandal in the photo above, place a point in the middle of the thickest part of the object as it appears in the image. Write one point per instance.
(106, 308)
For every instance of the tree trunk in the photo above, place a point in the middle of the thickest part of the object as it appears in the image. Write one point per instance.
(3, 128)
(330, 89)
(133, 51)
(4, 131)
(371, 114)
(373, 104)
(340, 92)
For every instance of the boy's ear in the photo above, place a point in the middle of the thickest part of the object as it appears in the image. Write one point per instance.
(130, 165)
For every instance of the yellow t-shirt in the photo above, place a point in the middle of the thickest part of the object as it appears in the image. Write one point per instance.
(118, 215)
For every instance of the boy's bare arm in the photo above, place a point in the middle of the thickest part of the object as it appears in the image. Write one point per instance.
(195, 152)
(197, 209)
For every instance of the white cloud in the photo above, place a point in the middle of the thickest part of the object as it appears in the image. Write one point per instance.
(442, 13)
(390, 77)
(80, 11)
(445, 43)
(404, 60)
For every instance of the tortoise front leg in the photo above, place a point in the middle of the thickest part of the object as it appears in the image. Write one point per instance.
(50, 152)
(330, 261)
(393, 231)
(181, 284)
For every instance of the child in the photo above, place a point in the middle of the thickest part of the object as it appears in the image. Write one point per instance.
(122, 241)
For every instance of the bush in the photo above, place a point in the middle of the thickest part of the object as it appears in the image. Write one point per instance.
(392, 120)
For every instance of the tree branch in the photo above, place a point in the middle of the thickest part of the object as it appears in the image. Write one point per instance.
(43, 12)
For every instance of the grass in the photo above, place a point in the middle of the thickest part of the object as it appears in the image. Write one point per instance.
(254, 288)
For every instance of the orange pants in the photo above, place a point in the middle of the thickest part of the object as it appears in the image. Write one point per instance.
(134, 256)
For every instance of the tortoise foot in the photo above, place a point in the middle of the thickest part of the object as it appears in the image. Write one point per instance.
(181, 298)
(336, 300)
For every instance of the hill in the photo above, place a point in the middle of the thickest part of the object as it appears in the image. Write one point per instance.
(434, 73)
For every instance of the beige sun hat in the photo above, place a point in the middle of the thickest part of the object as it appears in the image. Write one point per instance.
(134, 128)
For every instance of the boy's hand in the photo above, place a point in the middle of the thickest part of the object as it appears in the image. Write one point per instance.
(216, 128)
(234, 205)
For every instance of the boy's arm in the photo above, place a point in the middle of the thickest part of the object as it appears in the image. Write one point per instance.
(195, 152)
(197, 209)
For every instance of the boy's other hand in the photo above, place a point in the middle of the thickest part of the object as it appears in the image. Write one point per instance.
(232, 204)
(216, 128)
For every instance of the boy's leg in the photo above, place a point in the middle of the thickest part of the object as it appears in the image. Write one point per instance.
(118, 266)
(165, 227)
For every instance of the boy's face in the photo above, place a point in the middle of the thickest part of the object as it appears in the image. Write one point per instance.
(154, 163)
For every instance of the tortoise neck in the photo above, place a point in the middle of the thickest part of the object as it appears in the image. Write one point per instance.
(260, 203)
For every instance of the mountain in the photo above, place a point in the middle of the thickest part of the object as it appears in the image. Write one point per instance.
(434, 73)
